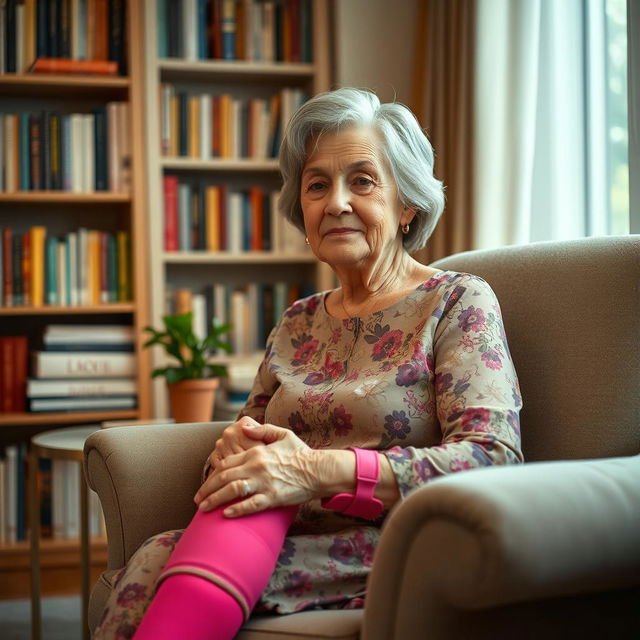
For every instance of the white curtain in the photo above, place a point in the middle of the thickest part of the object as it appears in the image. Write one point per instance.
(540, 156)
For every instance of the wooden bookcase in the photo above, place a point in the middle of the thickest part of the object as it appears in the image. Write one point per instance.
(245, 79)
(63, 212)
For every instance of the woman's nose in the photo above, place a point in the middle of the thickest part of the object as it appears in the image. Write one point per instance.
(338, 201)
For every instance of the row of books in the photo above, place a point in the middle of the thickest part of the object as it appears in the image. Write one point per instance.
(76, 152)
(205, 125)
(83, 267)
(82, 30)
(83, 368)
(200, 217)
(58, 487)
(252, 310)
(260, 30)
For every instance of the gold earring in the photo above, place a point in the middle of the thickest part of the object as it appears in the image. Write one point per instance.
(405, 229)
(306, 240)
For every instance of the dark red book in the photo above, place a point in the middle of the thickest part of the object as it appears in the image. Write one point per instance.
(19, 344)
(170, 213)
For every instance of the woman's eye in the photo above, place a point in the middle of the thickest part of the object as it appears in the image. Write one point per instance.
(315, 186)
(363, 182)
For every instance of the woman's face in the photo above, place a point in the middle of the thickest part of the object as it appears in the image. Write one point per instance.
(350, 203)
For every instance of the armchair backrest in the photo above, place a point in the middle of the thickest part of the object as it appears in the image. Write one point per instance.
(572, 316)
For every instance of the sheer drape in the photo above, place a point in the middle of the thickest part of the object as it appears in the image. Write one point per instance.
(443, 100)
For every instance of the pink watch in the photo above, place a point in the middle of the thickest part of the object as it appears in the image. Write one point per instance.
(363, 504)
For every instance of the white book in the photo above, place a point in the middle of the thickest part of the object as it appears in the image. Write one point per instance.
(71, 499)
(58, 497)
(234, 223)
(89, 164)
(268, 33)
(189, 29)
(166, 93)
(249, 11)
(54, 364)
(234, 128)
(11, 484)
(77, 152)
(95, 514)
(220, 303)
(52, 388)
(239, 336)
(199, 311)
(263, 129)
(83, 266)
(253, 340)
(205, 126)
(3, 501)
(61, 260)
(84, 332)
(79, 403)
(72, 267)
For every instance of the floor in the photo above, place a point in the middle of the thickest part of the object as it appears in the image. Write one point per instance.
(60, 619)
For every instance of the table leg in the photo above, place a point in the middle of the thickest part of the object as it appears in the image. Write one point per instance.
(34, 521)
(86, 553)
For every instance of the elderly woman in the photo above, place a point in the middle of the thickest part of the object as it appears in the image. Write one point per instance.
(367, 391)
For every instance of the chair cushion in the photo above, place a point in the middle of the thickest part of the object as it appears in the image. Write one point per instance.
(308, 625)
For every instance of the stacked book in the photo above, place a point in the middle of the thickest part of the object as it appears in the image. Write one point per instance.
(84, 368)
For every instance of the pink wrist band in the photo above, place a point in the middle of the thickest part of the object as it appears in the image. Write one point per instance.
(362, 504)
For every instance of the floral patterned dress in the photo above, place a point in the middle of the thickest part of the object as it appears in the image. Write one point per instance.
(428, 381)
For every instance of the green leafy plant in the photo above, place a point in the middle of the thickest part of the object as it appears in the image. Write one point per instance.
(192, 354)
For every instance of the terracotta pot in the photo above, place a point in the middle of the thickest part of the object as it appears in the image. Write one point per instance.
(193, 400)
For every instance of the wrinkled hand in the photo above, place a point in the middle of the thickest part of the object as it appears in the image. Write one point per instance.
(233, 440)
(278, 474)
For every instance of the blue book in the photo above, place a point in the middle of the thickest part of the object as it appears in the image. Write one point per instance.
(202, 29)
(247, 223)
(100, 149)
(24, 150)
(228, 30)
(51, 270)
(163, 50)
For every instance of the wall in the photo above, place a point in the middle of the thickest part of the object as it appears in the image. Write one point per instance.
(374, 42)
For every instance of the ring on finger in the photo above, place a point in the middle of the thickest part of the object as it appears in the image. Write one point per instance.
(247, 490)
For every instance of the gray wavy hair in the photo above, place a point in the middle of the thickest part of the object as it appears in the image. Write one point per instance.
(406, 148)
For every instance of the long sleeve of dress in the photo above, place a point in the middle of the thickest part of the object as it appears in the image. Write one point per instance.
(476, 390)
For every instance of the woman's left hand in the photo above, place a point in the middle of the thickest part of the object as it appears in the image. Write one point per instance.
(279, 474)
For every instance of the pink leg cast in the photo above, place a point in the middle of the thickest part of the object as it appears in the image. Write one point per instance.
(232, 556)
(187, 606)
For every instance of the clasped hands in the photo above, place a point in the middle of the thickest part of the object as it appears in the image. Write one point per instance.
(266, 465)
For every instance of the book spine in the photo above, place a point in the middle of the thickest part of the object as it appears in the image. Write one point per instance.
(38, 236)
(42, 28)
(101, 44)
(100, 149)
(184, 218)
(212, 207)
(83, 67)
(24, 152)
(16, 269)
(10, 35)
(55, 160)
(228, 26)
(50, 388)
(170, 188)
(83, 365)
(7, 380)
(51, 271)
(26, 268)
(161, 18)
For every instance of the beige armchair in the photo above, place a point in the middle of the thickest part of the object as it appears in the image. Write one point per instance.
(549, 549)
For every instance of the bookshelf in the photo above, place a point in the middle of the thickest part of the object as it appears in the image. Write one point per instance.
(244, 78)
(61, 212)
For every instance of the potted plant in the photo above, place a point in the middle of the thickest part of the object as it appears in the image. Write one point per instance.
(193, 381)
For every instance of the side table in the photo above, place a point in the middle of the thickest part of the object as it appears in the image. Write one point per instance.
(61, 444)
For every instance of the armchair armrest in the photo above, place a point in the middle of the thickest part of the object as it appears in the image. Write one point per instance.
(505, 536)
(146, 477)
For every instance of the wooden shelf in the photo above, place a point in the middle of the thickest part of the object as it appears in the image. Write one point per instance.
(115, 307)
(239, 71)
(67, 417)
(219, 164)
(60, 567)
(64, 197)
(63, 86)
(253, 257)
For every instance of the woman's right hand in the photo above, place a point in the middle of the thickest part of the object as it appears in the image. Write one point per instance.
(232, 441)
